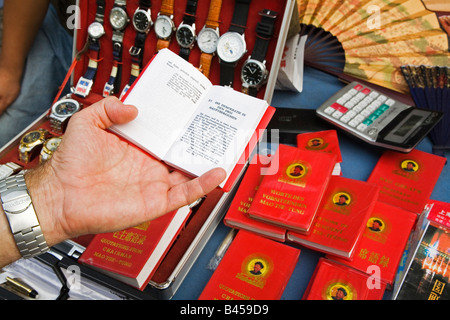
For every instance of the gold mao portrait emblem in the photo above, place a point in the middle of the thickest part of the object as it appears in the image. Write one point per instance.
(409, 166)
(339, 291)
(296, 171)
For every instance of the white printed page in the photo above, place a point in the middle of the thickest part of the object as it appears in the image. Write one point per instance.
(218, 132)
(166, 95)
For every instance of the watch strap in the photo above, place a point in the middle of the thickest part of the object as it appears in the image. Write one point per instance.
(205, 63)
(212, 20)
(264, 32)
(189, 19)
(185, 53)
(86, 81)
(227, 74)
(114, 79)
(137, 52)
(240, 16)
(161, 44)
(8, 169)
(100, 12)
(191, 11)
(167, 7)
(145, 4)
(18, 208)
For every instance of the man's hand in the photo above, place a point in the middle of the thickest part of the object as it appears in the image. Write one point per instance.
(96, 182)
(9, 87)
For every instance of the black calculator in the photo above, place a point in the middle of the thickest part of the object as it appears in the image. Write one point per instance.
(377, 118)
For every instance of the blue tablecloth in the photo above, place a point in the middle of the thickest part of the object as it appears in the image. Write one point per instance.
(358, 161)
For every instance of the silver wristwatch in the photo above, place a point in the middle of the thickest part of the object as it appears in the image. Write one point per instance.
(23, 221)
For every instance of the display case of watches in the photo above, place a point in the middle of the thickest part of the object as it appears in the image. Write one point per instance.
(192, 29)
(127, 34)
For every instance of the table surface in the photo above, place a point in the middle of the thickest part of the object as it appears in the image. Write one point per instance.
(359, 159)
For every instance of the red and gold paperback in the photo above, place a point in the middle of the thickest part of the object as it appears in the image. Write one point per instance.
(133, 255)
(407, 180)
(322, 141)
(237, 216)
(383, 242)
(290, 196)
(334, 281)
(343, 213)
(253, 268)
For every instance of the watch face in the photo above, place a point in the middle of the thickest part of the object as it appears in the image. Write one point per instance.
(53, 143)
(118, 18)
(31, 136)
(231, 47)
(66, 107)
(253, 73)
(207, 40)
(185, 36)
(141, 20)
(96, 30)
(163, 27)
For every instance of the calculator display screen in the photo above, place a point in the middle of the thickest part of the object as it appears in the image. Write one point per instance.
(410, 123)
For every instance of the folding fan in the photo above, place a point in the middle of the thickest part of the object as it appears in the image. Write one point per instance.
(371, 39)
(430, 89)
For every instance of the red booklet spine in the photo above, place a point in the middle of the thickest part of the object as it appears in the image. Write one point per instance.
(237, 214)
(344, 210)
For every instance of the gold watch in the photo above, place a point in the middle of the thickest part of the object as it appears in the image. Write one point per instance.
(31, 144)
(48, 148)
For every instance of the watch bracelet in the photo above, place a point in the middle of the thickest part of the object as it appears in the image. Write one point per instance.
(30, 241)
(56, 125)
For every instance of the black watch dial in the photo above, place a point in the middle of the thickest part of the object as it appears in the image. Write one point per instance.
(141, 21)
(32, 137)
(66, 108)
(185, 36)
(252, 74)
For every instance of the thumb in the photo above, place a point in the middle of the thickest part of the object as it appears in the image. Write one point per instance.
(106, 112)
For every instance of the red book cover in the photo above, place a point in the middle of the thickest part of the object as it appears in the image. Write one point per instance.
(322, 141)
(334, 281)
(253, 268)
(343, 213)
(383, 242)
(407, 180)
(237, 217)
(133, 255)
(290, 196)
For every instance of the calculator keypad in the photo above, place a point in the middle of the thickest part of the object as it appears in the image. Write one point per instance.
(359, 107)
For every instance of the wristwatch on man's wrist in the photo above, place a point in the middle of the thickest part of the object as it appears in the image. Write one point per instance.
(18, 208)
(8, 169)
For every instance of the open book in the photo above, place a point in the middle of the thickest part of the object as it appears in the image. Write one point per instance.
(189, 123)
